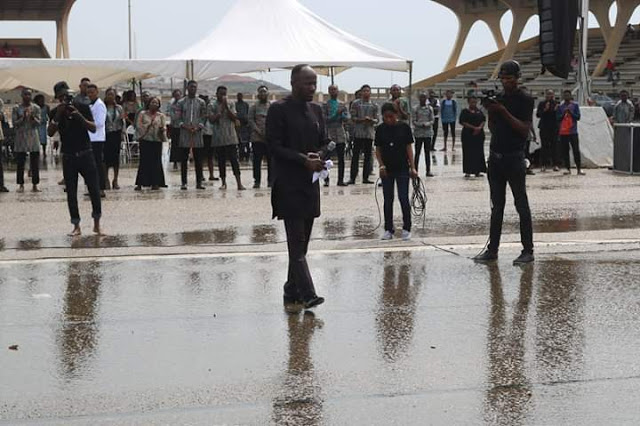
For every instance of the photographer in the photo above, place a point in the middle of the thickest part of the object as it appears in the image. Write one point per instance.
(510, 118)
(73, 120)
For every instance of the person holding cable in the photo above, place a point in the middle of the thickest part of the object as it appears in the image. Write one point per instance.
(296, 136)
(394, 151)
(510, 118)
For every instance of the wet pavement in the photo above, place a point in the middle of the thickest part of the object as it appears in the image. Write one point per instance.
(175, 317)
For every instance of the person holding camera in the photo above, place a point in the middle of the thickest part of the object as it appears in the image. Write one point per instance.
(26, 121)
(73, 120)
(510, 118)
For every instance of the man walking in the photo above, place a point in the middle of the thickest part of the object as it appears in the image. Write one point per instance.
(257, 123)
(192, 111)
(364, 114)
(568, 115)
(295, 136)
(73, 120)
(510, 118)
(336, 116)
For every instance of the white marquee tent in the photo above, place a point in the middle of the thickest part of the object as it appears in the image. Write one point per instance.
(277, 34)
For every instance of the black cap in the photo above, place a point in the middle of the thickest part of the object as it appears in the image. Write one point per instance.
(510, 67)
(59, 87)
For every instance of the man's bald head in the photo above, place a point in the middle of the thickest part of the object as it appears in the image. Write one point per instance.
(304, 81)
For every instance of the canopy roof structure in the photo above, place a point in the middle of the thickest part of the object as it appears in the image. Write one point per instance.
(278, 34)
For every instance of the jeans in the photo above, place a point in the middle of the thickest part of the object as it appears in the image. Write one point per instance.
(197, 159)
(98, 155)
(360, 145)
(401, 180)
(510, 169)
(436, 121)
(571, 142)
(34, 164)
(426, 142)
(299, 282)
(228, 152)
(260, 152)
(82, 163)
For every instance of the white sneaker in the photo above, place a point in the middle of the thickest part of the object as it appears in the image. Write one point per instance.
(387, 236)
(406, 235)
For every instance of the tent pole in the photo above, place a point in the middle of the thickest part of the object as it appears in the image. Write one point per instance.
(332, 74)
(410, 83)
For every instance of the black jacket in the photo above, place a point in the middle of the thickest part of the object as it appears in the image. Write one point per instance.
(294, 129)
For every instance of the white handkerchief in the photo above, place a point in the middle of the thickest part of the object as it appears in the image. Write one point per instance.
(324, 173)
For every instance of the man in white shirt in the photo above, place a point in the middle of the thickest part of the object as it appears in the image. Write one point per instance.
(98, 139)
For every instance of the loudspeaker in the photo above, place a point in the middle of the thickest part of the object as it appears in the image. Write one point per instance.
(558, 21)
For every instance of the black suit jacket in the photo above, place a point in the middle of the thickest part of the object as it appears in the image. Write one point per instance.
(294, 129)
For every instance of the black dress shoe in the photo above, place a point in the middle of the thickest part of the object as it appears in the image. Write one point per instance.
(342, 184)
(351, 182)
(313, 302)
(200, 187)
(486, 257)
(367, 182)
(524, 258)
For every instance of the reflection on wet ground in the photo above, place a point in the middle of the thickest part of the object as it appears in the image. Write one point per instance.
(359, 228)
(403, 336)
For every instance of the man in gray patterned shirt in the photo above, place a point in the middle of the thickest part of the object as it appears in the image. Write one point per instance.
(364, 114)
(192, 111)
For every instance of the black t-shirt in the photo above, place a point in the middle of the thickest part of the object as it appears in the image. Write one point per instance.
(392, 142)
(505, 139)
(74, 136)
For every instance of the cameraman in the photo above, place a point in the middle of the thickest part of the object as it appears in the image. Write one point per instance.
(73, 120)
(510, 118)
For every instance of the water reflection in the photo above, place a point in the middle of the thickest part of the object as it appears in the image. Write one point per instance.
(395, 319)
(152, 240)
(299, 402)
(264, 234)
(334, 228)
(213, 236)
(31, 244)
(94, 241)
(559, 320)
(362, 226)
(508, 398)
(78, 336)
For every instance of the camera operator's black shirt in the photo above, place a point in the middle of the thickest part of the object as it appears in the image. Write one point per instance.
(392, 142)
(74, 136)
(504, 138)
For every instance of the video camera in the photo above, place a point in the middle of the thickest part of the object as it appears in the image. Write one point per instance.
(488, 96)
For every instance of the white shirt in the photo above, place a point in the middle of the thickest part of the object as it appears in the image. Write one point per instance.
(99, 112)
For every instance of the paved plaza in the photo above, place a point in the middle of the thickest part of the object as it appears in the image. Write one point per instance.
(176, 316)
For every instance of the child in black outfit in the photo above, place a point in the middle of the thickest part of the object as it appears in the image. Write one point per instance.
(394, 151)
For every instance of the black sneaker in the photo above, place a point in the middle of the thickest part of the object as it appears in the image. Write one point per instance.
(524, 258)
(486, 257)
(313, 302)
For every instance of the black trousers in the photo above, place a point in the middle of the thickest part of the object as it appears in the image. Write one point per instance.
(511, 170)
(548, 139)
(260, 152)
(98, 155)
(401, 180)
(83, 164)
(436, 122)
(228, 152)
(299, 282)
(360, 145)
(34, 164)
(339, 152)
(427, 143)
(571, 142)
(445, 130)
(197, 159)
(1, 165)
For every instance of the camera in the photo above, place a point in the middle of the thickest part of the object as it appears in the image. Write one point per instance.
(488, 95)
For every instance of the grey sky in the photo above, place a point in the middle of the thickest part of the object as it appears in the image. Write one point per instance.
(417, 29)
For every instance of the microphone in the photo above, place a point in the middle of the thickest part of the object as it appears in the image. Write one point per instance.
(331, 146)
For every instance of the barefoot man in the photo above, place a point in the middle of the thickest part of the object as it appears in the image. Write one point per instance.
(73, 120)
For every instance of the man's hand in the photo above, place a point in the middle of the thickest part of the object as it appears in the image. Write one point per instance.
(73, 112)
(313, 162)
(383, 172)
(496, 108)
(413, 173)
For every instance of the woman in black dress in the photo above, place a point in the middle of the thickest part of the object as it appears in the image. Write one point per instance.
(472, 121)
(151, 131)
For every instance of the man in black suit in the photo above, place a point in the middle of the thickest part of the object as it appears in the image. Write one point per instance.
(296, 135)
